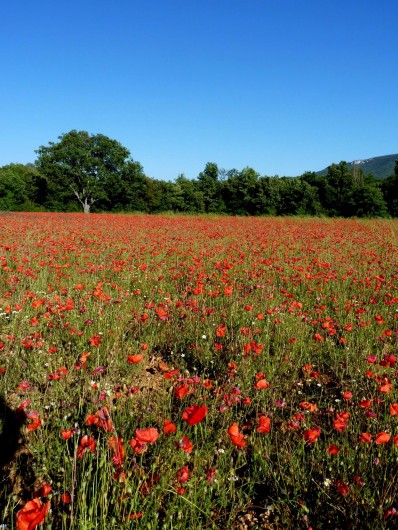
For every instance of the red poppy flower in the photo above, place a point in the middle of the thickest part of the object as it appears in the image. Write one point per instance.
(161, 313)
(194, 414)
(358, 480)
(211, 475)
(44, 491)
(104, 419)
(236, 437)
(91, 419)
(169, 427)
(341, 421)
(147, 435)
(135, 359)
(25, 403)
(311, 435)
(333, 449)
(371, 359)
(32, 514)
(133, 516)
(207, 384)
(87, 443)
(170, 374)
(181, 391)
(183, 475)
(382, 438)
(65, 497)
(36, 423)
(340, 424)
(115, 443)
(137, 446)
(264, 424)
(394, 409)
(95, 340)
(343, 488)
(185, 444)
(365, 437)
(163, 366)
(257, 348)
(67, 433)
(386, 388)
(261, 384)
(310, 407)
(221, 330)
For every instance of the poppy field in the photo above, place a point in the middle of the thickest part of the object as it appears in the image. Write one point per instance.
(185, 372)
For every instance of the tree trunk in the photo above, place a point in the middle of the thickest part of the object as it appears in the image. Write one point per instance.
(86, 206)
(84, 200)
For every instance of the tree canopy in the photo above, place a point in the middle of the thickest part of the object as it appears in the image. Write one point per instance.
(83, 164)
(97, 173)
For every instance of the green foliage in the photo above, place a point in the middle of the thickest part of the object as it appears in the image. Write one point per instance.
(390, 191)
(85, 165)
(339, 184)
(96, 173)
(239, 191)
(160, 196)
(368, 201)
(209, 186)
(297, 197)
(127, 190)
(21, 188)
(268, 197)
(188, 196)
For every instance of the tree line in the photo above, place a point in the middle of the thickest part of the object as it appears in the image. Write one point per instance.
(95, 173)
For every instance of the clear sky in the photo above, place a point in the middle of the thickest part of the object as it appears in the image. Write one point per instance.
(283, 86)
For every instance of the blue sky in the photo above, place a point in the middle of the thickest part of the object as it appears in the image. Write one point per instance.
(283, 86)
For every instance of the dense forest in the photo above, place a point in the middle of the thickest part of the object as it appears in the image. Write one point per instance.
(83, 172)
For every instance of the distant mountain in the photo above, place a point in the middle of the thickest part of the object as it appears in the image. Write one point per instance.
(380, 166)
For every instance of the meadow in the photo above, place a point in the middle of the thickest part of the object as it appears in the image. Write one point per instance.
(180, 372)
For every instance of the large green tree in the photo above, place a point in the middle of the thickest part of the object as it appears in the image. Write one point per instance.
(82, 164)
(209, 186)
(338, 190)
(187, 196)
(239, 191)
(21, 187)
